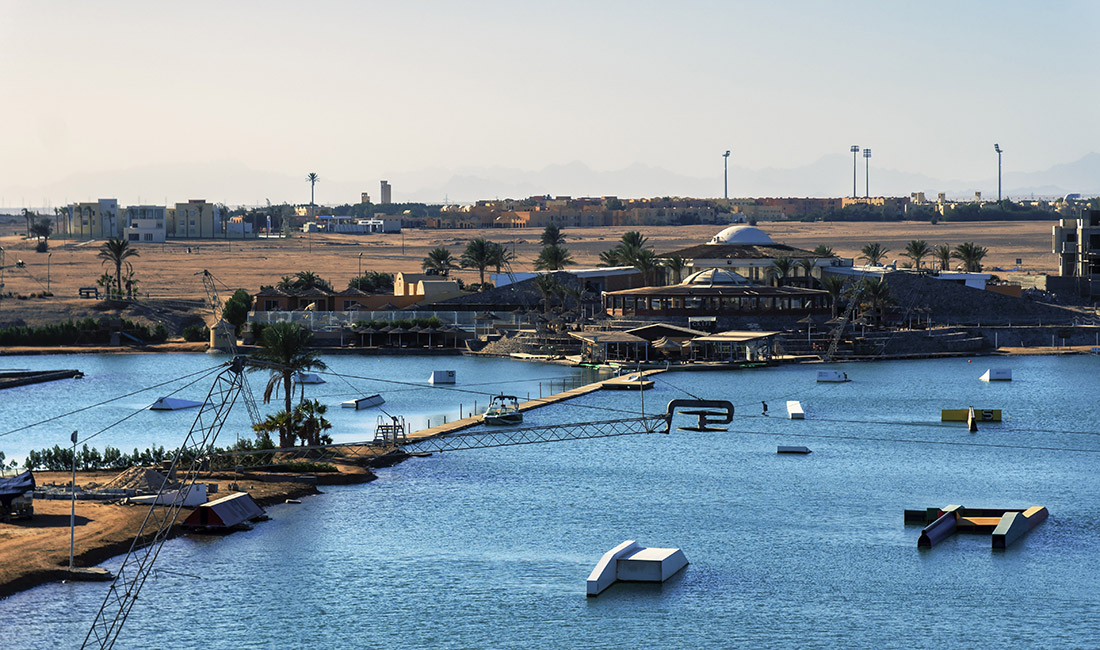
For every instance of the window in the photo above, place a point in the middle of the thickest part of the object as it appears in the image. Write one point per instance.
(271, 305)
(148, 236)
(134, 236)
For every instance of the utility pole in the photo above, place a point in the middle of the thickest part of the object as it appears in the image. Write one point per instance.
(72, 511)
(855, 150)
(867, 172)
(726, 174)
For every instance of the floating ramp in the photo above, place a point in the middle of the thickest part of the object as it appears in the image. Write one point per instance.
(225, 513)
(363, 402)
(1005, 525)
(308, 378)
(997, 374)
(961, 415)
(442, 377)
(832, 376)
(173, 404)
(629, 562)
(794, 410)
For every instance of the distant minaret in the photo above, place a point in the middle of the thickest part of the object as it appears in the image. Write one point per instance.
(385, 193)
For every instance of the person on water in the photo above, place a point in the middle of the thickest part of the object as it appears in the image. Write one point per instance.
(765, 405)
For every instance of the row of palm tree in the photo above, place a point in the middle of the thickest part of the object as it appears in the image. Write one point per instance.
(969, 253)
(480, 254)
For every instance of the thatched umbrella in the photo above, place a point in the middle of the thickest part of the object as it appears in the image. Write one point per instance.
(667, 346)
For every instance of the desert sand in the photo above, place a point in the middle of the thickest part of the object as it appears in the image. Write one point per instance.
(172, 270)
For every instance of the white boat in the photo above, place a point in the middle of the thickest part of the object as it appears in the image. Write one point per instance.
(503, 410)
(173, 404)
(363, 402)
(834, 376)
(997, 374)
(308, 378)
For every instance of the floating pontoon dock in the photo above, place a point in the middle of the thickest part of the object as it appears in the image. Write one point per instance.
(1006, 525)
(25, 377)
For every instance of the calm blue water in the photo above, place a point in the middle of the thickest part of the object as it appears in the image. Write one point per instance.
(490, 548)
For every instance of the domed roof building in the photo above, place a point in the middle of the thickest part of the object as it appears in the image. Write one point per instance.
(749, 252)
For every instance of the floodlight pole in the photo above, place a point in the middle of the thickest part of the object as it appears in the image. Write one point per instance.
(867, 171)
(726, 174)
(855, 150)
(999, 151)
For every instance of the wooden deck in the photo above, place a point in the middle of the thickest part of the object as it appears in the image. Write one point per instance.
(475, 420)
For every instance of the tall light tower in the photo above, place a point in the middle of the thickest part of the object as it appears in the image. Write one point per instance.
(999, 151)
(726, 173)
(867, 172)
(855, 150)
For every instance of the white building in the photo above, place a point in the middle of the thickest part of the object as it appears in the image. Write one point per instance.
(145, 223)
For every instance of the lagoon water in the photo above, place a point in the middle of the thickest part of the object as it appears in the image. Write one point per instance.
(490, 548)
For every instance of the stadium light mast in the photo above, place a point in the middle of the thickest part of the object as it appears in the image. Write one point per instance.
(999, 151)
(867, 172)
(726, 174)
(854, 150)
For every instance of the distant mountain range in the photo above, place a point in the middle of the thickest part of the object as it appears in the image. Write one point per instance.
(234, 183)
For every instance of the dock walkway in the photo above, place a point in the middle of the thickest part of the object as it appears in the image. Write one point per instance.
(475, 420)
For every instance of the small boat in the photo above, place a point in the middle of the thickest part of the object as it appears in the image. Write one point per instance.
(363, 402)
(503, 410)
(308, 378)
(173, 404)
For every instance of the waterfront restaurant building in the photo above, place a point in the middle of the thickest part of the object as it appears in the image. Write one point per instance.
(716, 292)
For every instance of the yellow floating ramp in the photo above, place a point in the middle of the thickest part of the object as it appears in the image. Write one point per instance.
(959, 415)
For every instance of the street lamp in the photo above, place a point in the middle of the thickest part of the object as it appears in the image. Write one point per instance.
(726, 173)
(48, 272)
(855, 150)
(360, 265)
(999, 151)
(867, 172)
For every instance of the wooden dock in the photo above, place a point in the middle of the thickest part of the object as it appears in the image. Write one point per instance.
(530, 405)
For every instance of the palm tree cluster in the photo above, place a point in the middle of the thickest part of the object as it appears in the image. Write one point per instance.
(117, 251)
(373, 282)
(554, 256)
(440, 260)
(481, 253)
(632, 250)
(284, 351)
(303, 280)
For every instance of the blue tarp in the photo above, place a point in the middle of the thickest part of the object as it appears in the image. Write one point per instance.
(15, 487)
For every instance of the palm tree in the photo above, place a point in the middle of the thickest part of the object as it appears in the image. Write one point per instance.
(781, 267)
(917, 250)
(439, 259)
(478, 255)
(116, 251)
(675, 265)
(823, 251)
(834, 284)
(807, 265)
(547, 285)
(42, 231)
(499, 256)
(876, 293)
(971, 255)
(286, 283)
(553, 258)
(645, 261)
(284, 351)
(552, 236)
(634, 239)
(611, 257)
(874, 253)
(312, 178)
(942, 254)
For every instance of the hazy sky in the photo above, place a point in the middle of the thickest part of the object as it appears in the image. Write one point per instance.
(368, 90)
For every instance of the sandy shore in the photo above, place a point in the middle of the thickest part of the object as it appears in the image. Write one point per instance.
(36, 551)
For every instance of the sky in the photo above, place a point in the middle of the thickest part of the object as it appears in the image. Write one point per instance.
(96, 95)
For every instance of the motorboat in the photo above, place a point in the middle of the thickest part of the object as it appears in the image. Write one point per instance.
(503, 410)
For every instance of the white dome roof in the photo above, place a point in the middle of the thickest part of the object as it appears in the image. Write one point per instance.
(745, 235)
(713, 277)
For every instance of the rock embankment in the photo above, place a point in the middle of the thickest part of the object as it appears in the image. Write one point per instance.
(946, 302)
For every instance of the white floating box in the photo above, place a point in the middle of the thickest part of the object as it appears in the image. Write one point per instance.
(308, 378)
(629, 562)
(794, 410)
(363, 402)
(189, 497)
(834, 376)
(442, 377)
(997, 374)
